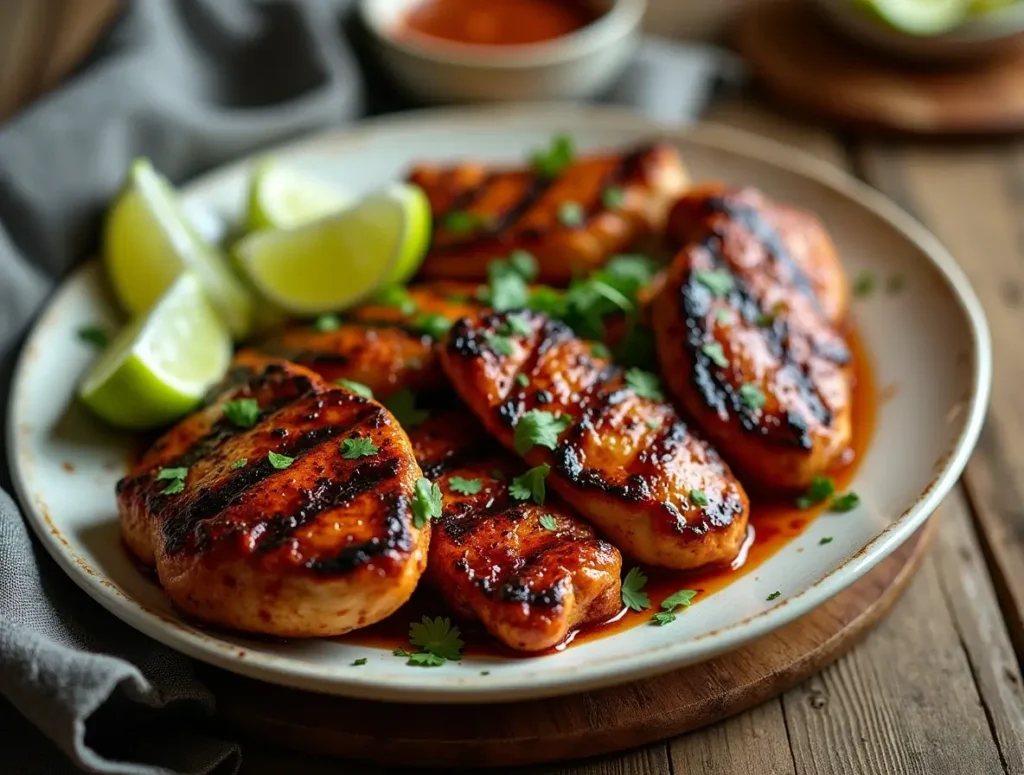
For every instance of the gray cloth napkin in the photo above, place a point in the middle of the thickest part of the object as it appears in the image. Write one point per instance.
(189, 84)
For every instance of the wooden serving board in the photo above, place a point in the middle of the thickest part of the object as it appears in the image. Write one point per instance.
(802, 62)
(576, 726)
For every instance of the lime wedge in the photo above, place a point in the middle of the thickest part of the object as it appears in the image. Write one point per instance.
(148, 242)
(337, 260)
(160, 366)
(284, 198)
(920, 17)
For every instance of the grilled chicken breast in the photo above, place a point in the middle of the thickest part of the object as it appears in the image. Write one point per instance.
(625, 459)
(277, 526)
(597, 206)
(747, 338)
(386, 344)
(491, 556)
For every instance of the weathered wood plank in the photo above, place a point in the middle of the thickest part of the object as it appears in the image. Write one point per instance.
(904, 701)
(970, 597)
(972, 197)
(753, 743)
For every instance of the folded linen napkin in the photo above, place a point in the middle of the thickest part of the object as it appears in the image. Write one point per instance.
(190, 84)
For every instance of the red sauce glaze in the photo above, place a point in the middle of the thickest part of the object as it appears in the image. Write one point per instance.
(772, 526)
(497, 22)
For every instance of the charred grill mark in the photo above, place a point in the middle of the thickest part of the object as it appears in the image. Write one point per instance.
(715, 389)
(397, 537)
(516, 591)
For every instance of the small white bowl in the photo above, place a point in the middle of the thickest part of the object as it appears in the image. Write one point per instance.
(574, 66)
(976, 38)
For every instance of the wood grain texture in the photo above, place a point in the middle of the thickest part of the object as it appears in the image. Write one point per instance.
(575, 726)
(904, 702)
(972, 197)
(753, 743)
(804, 64)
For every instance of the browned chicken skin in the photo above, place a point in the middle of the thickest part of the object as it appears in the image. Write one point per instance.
(491, 557)
(317, 546)
(627, 462)
(481, 213)
(383, 345)
(747, 339)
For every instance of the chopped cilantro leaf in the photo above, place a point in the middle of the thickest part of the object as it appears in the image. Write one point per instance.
(356, 387)
(751, 395)
(848, 501)
(507, 288)
(465, 486)
(549, 301)
(242, 462)
(171, 473)
(485, 672)
(522, 380)
(530, 485)
(633, 595)
(425, 659)
(176, 486)
(825, 540)
(895, 283)
(718, 281)
(524, 263)
(403, 406)
(463, 222)
(681, 599)
(571, 214)
(500, 344)
(326, 323)
(662, 618)
(517, 325)
(600, 350)
(352, 449)
(714, 351)
(243, 412)
(432, 324)
(773, 595)
(396, 296)
(551, 162)
(723, 315)
(426, 502)
(698, 498)
(538, 428)
(863, 284)
(654, 423)
(613, 197)
(548, 522)
(821, 489)
(94, 335)
(645, 384)
(437, 637)
(280, 462)
(400, 652)
(360, 662)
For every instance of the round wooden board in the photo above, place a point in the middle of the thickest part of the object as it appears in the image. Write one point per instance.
(578, 725)
(804, 63)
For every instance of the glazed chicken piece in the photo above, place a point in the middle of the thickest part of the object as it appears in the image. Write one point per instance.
(282, 507)
(385, 344)
(623, 458)
(747, 338)
(597, 206)
(491, 556)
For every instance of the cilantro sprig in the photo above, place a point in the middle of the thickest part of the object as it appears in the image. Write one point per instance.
(353, 449)
(465, 486)
(243, 412)
(530, 486)
(403, 406)
(552, 161)
(426, 502)
(438, 642)
(356, 387)
(633, 596)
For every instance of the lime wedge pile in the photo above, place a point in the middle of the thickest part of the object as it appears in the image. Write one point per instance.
(308, 251)
(160, 366)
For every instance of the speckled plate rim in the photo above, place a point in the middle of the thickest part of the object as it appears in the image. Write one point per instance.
(209, 648)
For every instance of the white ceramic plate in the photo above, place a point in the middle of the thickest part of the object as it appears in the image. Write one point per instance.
(929, 345)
